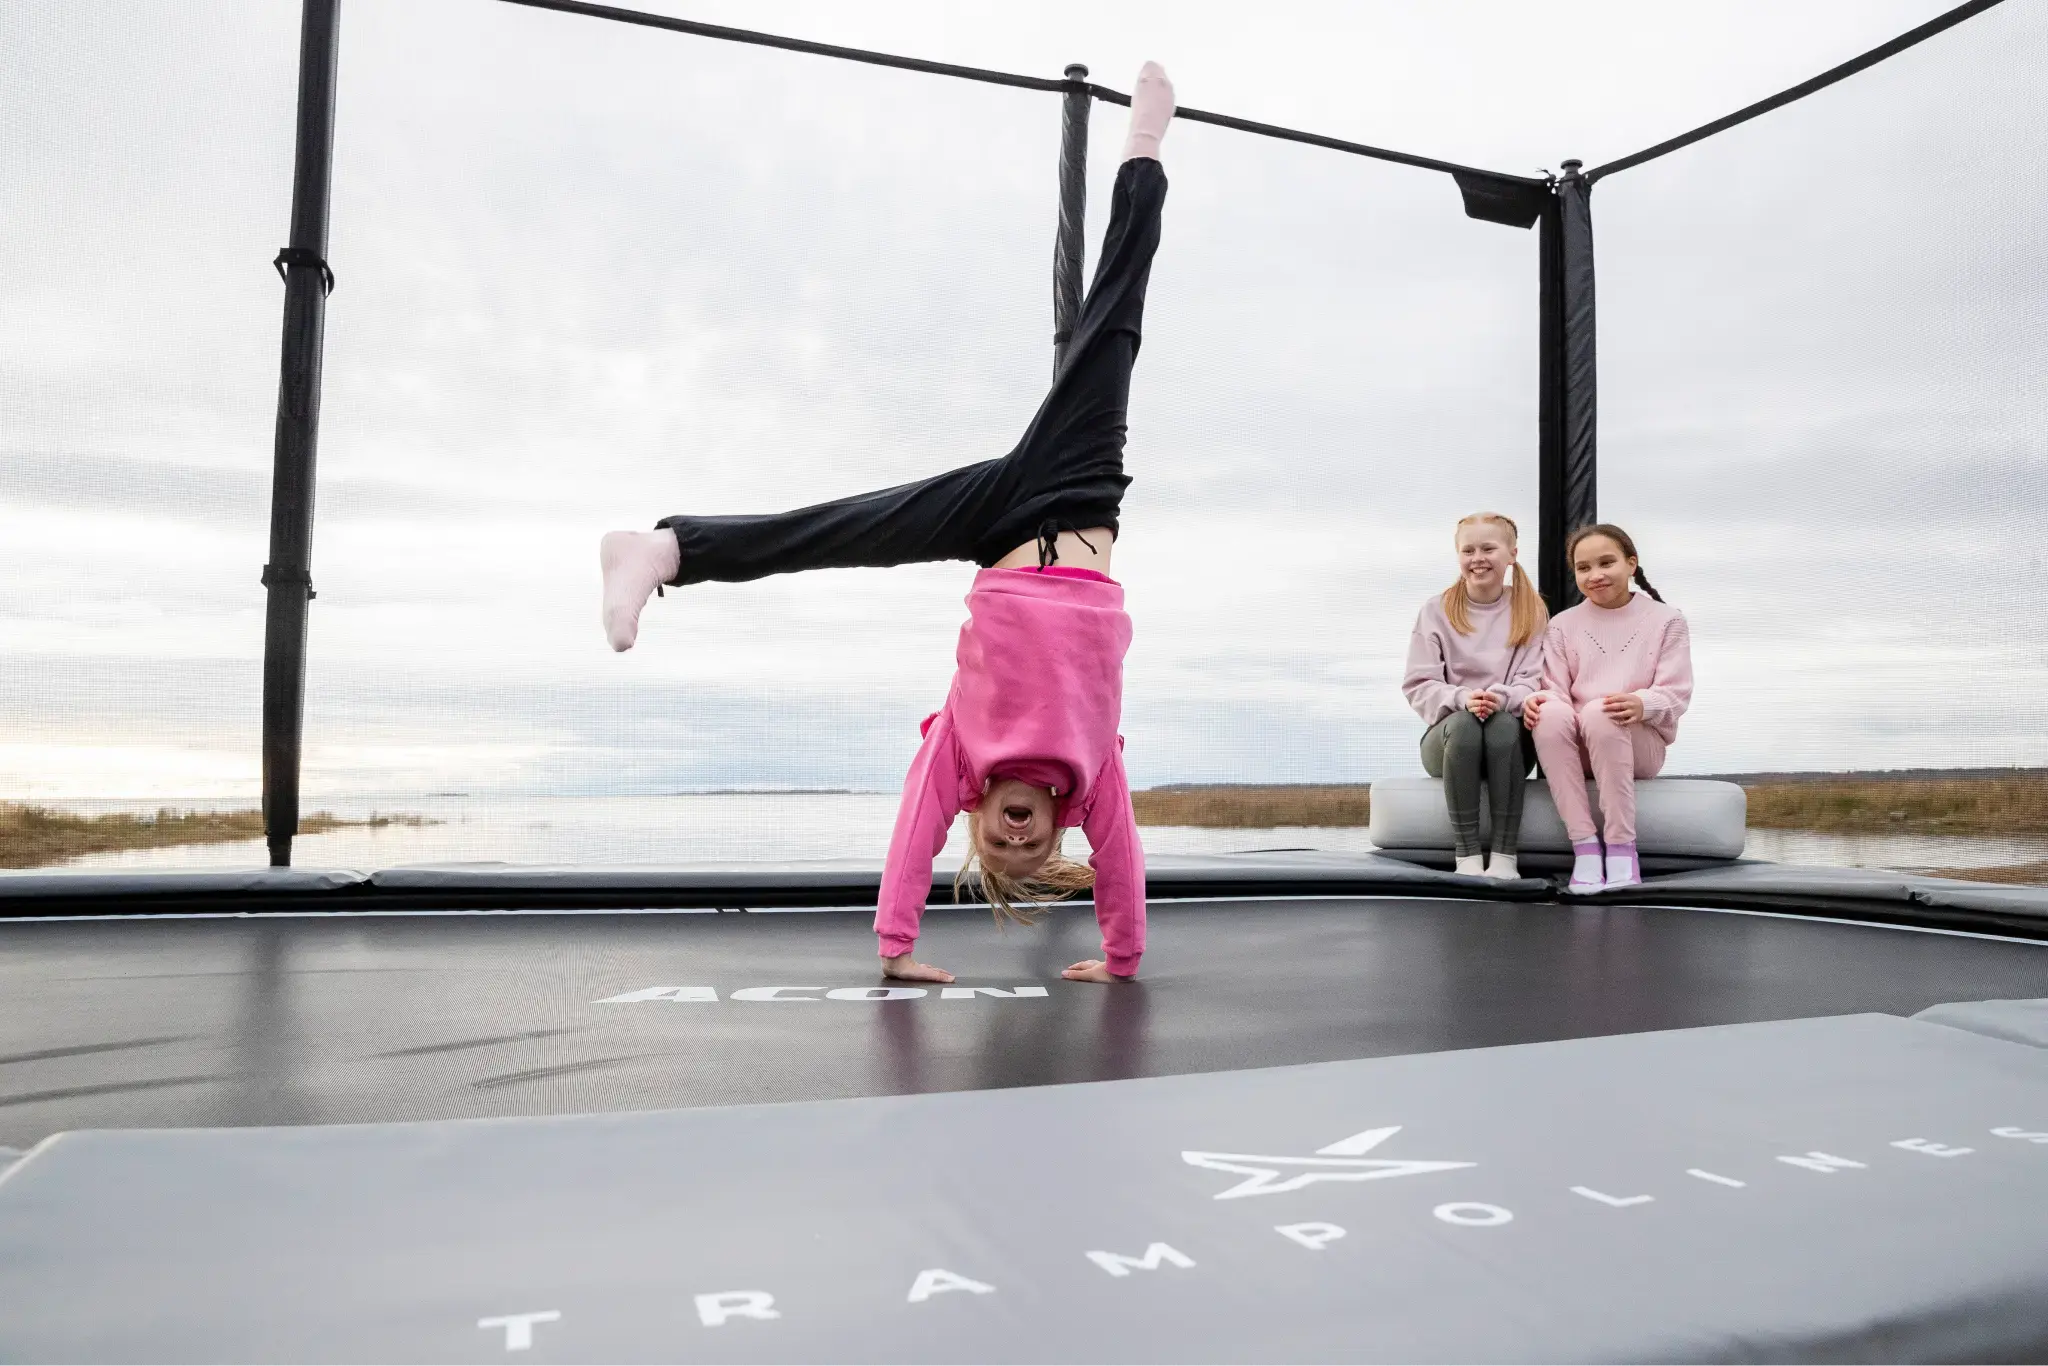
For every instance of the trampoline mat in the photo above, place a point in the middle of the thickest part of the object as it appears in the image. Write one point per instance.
(1857, 1188)
(361, 1018)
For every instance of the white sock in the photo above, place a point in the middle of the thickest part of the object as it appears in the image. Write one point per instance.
(1503, 866)
(635, 563)
(1469, 865)
(1151, 111)
(1588, 872)
(1622, 870)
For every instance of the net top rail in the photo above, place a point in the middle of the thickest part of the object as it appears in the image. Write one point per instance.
(989, 77)
(1912, 37)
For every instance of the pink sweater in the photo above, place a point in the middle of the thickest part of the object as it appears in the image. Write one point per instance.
(1038, 695)
(1643, 647)
(1446, 668)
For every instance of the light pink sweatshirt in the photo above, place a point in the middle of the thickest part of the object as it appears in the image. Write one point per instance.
(1643, 647)
(1038, 695)
(1446, 668)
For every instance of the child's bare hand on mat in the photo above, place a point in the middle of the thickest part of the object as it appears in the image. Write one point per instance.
(1092, 970)
(906, 969)
(1624, 707)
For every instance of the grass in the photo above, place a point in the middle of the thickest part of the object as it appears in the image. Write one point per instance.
(37, 836)
(1230, 806)
(2014, 803)
(2000, 802)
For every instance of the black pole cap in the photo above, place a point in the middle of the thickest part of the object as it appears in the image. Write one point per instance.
(1076, 71)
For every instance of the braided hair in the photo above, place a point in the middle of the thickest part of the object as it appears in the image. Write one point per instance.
(1620, 538)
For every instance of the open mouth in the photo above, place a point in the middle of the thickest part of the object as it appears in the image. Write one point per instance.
(1017, 815)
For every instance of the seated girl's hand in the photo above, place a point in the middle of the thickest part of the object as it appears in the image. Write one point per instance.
(1482, 704)
(1531, 707)
(1625, 708)
(904, 969)
(1092, 970)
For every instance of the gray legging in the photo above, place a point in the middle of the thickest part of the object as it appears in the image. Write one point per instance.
(1457, 749)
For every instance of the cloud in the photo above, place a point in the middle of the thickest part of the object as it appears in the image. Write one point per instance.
(592, 275)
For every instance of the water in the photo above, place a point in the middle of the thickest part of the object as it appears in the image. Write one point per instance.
(1905, 853)
(779, 827)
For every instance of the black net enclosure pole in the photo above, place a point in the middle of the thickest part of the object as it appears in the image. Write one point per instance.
(1069, 253)
(1568, 383)
(1551, 573)
(288, 575)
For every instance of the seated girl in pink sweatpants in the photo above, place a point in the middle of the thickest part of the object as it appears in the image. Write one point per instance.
(1027, 741)
(1617, 675)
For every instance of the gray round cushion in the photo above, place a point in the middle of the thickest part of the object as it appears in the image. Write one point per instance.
(1692, 817)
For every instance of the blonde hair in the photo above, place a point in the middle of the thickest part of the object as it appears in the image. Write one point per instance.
(1527, 616)
(1059, 879)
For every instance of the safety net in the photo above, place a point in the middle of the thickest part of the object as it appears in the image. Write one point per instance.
(1820, 351)
(591, 274)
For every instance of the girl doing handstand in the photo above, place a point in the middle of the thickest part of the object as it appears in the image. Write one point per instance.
(1027, 741)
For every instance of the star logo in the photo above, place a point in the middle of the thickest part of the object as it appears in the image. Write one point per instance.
(1344, 1160)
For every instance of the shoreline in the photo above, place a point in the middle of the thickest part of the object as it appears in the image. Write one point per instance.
(37, 836)
(1996, 818)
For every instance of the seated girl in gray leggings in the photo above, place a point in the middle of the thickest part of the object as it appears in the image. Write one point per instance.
(1476, 655)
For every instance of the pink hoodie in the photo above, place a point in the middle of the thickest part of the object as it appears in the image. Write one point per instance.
(1642, 646)
(1039, 691)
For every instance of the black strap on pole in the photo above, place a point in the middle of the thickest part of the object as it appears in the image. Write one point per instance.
(1910, 38)
(1070, 247)
(299, 256)
(1568, 485)
(287, 578)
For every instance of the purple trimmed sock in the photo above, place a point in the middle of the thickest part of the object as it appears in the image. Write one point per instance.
(1587, 873)
(1624, 868)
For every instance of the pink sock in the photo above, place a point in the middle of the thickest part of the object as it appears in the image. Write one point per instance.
(635, 563)
(1151, 111)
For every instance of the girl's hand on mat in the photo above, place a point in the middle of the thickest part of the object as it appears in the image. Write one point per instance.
(906, 969)
(1531, 708)
(1624, 707)
(1482, 704)
(1092, 970)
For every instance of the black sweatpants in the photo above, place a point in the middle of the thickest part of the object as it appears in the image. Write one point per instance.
(1067, 474)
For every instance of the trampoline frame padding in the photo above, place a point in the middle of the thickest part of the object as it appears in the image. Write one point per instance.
(1852, 1187)
(1856, 894)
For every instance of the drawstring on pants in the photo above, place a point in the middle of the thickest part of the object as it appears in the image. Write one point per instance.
(1049, 541)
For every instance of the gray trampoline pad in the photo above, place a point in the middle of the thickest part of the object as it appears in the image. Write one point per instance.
(1847, 1188)
(2018, 1021)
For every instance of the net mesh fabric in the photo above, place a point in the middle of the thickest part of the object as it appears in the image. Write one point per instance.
(1821, 415)
(147, 151)
(592, 275)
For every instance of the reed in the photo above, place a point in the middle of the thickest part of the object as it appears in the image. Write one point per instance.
(1998, 803)
(1872, 804)
(1254, 807)
(38, 836)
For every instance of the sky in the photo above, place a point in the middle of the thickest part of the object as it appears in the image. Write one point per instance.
(591, 275)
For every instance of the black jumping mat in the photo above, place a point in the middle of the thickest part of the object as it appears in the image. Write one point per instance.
(1846, 1188)
(156, 1023)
